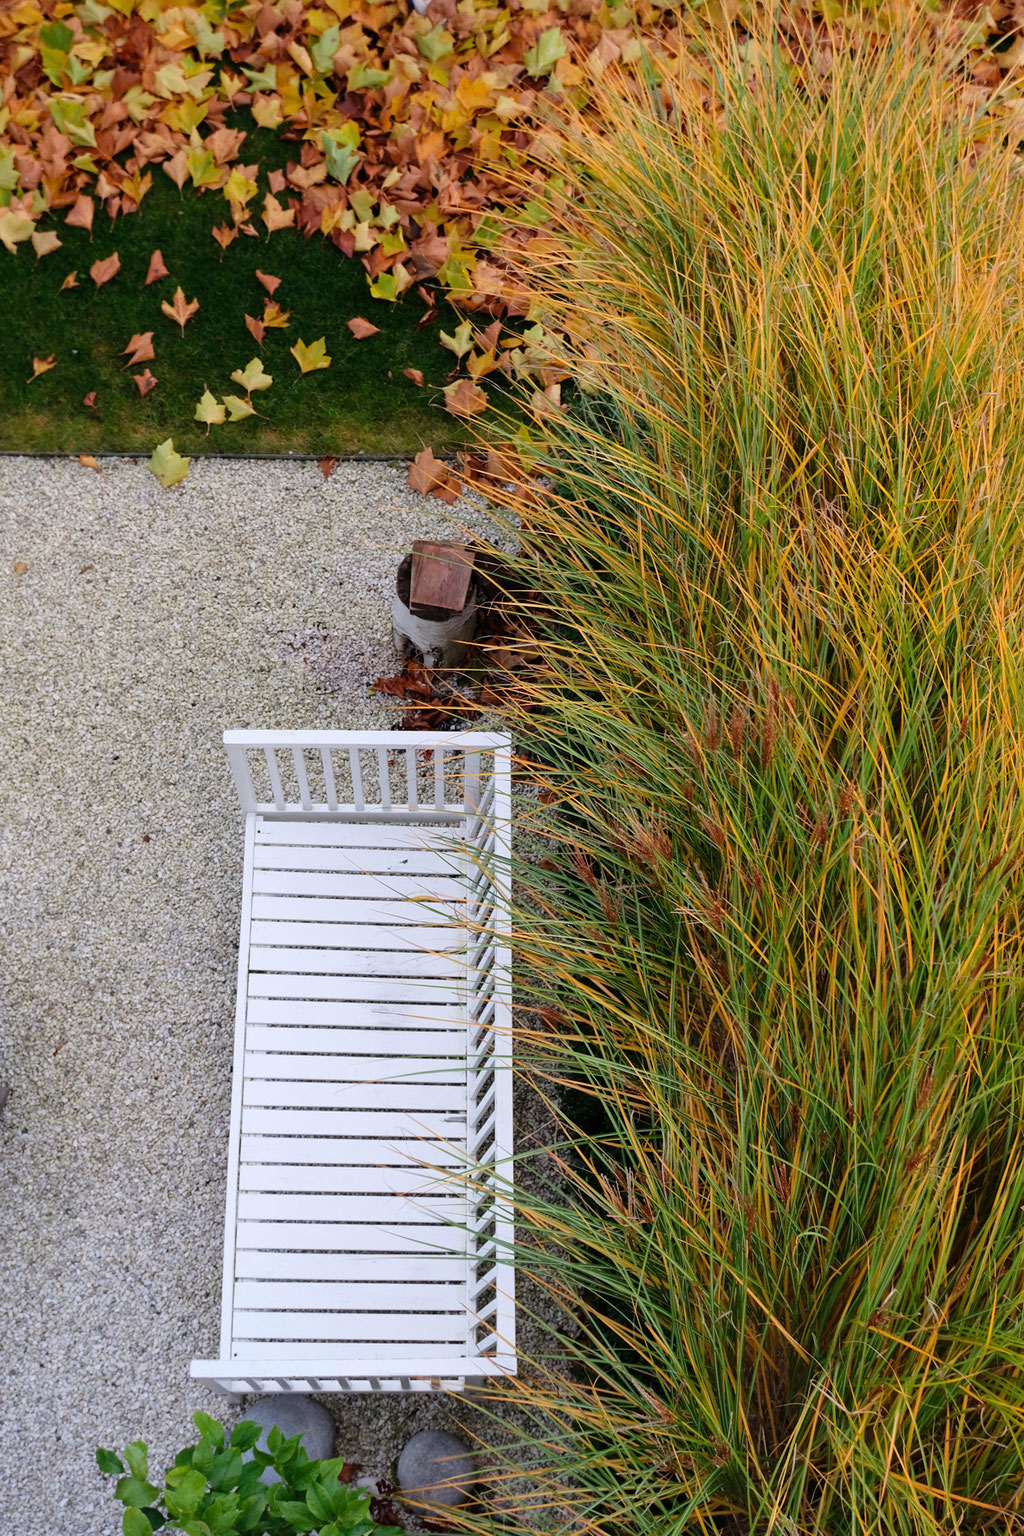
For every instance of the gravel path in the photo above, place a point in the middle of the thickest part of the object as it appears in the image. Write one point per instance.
(136, 625)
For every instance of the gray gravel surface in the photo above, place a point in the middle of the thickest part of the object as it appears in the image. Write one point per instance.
(135, 625)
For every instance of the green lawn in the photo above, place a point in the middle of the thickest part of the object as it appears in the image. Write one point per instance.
(362, 401)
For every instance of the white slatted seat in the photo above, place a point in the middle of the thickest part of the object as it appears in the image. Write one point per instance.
(368, 1227)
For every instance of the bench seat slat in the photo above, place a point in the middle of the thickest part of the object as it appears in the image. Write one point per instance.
(373, 937)
(348, 1327)
(369, 1158)
(424, 889)
(416, 1098)
(432, 1269)
(422, 1014)
(352, 911)
(338, 1352)
(381, 1043)
(328, 1179)
(388, 862)
(402, 1071)
(345, 834)
(347, 1237)
(352, 1296)
(350, 988)
(354, 962)
(389, 1125)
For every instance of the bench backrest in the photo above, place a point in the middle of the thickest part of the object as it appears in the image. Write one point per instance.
(388, 776)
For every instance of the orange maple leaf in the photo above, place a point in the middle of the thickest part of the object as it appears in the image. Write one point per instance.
(102, 271)
(270, 283)
(144, 381)
(274, 317)
(42, 365)
(416, 375)
(256, 328)
(361, 328)
(464, 399)
(180, 309)
(276, 217)
(140, 348)
(157, 269)
(81, 214)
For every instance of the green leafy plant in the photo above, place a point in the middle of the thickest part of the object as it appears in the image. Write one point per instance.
(211, 1491)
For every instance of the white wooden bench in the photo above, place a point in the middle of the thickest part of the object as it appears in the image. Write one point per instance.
(368, 1226)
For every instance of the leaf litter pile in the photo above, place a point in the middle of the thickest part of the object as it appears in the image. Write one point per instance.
(408, 135)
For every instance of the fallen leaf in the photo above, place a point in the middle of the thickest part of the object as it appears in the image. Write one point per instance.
(276, 181)
(271, 284)
(168, 465)
(209, 410)
(416, 375)
(238, 408)
(274, 317)
(144, 382)
(224, 234)
(312, 356)
(464, 399)
(326, 465)
(90, 399)
(256, 328)
(157, 269)
(252, 377)
(140, 348)
(45, 242)
(431, 477)
(461, 342)
(362, 328)
(81, 214)
(180, 309)
(276, 217)
(90, 461)
(102, 271)
(42, 365)
(71, 281)
(20, 567)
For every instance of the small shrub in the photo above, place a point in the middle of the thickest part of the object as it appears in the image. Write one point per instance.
(211, 1491)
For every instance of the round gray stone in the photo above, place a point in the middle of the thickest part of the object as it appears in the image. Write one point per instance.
(293, 1414)
(436, 1468)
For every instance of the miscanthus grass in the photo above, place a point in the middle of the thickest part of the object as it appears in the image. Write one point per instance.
(776, 942)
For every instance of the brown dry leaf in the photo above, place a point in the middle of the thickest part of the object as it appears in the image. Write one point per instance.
(157, 268)
(224, 234)
(20, 567)
(42, 365)
(464, 399)
(326, 465)
(102, 271)
(361, 328)
(256, 328)
(89, 461)
(276, 181)
(45, 242)
(432, 477)
(180, 309)
(416, 375)
(270, 283)
(140, 348)
(81, 214)
(276, 217)
(144, 382)
(177, 168)
(71, 281)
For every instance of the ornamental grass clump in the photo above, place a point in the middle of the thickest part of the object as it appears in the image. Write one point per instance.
(775, 948)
